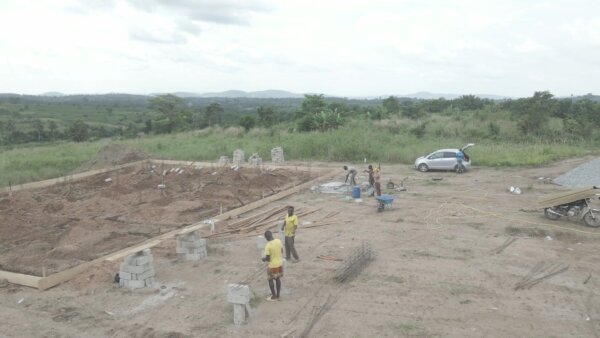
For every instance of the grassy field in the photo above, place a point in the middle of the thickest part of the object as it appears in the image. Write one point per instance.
(387, 141)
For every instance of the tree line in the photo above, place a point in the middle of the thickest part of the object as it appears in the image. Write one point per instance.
(169, 113)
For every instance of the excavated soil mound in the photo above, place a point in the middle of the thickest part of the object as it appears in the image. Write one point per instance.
(69, 223)
(113, 154)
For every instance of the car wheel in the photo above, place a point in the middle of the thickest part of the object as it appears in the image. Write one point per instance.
(459, 169)
(423, 167)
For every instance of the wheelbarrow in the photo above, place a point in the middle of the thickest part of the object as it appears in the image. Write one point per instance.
(384, 200)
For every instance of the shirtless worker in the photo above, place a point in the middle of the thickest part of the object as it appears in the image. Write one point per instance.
(273, 255)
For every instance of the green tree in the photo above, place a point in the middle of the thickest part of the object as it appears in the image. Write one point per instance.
(312, 104)
(38, 126)
(53, 128)
(213, 114)
(533, 113)
(267, 116)
(391, 105)
(469, 102)
(79, 131)
(174, 115)
(247, 122)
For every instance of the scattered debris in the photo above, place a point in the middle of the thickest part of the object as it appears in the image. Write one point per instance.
(255, 160)
(20, 300)
(548, 238)
(437, 178)
(515, 190)
(3, 282)
(223, 161)
(508, 242)
(330, 258)
(588, 278)
(542, 271)
(108, 180)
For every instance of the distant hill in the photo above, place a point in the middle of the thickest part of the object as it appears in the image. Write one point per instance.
(434, 96)
(263, 94)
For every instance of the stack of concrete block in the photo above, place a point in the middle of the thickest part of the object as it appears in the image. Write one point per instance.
(137, 271)
(255, 160)
(223, 161)
(277, 155)
(239, 296)
(239, 157)
(190, 247)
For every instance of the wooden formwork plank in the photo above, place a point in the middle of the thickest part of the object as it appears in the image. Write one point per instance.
(63, 276)
(566, 197)
(21, 279)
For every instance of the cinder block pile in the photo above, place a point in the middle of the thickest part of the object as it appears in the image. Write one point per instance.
(223, 161)
(255, 160)
(137, 270)
(277, 155)
(190, 247)
(239, 157)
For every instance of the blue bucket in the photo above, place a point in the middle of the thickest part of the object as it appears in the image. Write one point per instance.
(356, 192)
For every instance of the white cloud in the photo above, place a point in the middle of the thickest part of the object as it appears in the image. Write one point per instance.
(337, 47)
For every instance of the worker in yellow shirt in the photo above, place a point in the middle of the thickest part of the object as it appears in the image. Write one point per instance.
(291, 224)
(273, 255)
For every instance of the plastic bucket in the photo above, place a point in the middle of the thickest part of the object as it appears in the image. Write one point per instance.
(356, 192)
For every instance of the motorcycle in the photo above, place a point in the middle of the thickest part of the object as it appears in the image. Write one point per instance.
(573, 204)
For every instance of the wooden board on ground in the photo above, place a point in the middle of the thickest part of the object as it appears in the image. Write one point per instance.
(566, 197)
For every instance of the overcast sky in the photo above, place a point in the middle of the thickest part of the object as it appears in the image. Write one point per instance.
(345, 48)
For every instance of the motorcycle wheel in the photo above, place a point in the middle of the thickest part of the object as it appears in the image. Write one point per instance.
(549, 214)
(592, 220)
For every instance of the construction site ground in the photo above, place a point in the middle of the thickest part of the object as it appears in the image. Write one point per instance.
(456, 255)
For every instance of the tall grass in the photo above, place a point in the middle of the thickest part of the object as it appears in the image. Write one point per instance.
(390, 141)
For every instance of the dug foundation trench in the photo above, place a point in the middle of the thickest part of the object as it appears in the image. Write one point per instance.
(49, 279)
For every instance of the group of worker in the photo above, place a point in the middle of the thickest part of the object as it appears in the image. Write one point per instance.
(273, 253)
(374, 178)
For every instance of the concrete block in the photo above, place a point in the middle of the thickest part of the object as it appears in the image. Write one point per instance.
(239, 314)
(146, 275)
(143, 260)
(135, 268)
(124, 275)
(146, 252)
(136, 284)
(261, 242)
(238, 293)
(149, 281)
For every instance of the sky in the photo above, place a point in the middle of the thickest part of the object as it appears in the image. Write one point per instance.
(343, 48)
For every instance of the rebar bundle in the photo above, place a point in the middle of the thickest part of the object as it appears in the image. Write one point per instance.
(354, 264)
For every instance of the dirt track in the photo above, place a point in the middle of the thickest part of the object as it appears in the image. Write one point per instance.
(437, 272)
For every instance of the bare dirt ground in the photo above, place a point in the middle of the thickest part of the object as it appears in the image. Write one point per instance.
(67, 224)
(438, 272)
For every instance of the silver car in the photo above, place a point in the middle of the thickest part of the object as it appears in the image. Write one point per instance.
(443, 159)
